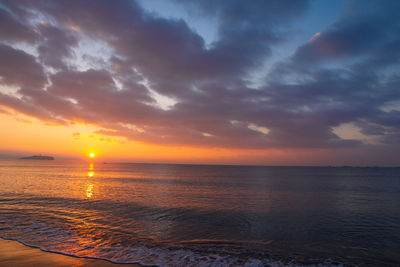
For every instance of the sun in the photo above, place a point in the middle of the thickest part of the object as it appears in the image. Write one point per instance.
(91, 155)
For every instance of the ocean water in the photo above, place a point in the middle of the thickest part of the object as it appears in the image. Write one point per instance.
(194, 215)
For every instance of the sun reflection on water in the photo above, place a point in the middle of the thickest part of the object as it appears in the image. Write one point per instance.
(89, 190)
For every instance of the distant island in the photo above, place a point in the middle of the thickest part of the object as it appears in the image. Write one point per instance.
(39, 157)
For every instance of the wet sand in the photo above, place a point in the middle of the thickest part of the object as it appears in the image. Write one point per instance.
(13, 253)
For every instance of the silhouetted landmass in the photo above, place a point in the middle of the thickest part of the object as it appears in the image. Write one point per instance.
(39, 157)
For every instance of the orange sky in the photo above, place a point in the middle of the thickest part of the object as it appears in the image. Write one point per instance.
(21, 135)
(25, 136)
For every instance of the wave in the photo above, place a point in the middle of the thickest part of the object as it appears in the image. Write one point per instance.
(146, 256)
(70, 227)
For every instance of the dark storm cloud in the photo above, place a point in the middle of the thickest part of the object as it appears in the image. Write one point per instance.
(342, 75)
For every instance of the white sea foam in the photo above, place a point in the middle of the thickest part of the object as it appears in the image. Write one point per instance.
(52, 236)
(165, 257)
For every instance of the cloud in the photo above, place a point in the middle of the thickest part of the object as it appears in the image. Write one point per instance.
(20, 68)
(56, 44)
(341, 75)
(366, 30)
(13, 30)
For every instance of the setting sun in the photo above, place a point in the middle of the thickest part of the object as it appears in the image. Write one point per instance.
(188, 133)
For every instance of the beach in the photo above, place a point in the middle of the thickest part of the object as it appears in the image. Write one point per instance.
(13, 253)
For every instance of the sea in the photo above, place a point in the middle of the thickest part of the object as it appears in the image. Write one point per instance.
(204, 215)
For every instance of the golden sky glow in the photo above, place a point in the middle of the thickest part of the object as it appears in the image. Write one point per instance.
(24, 136)
(21, 135)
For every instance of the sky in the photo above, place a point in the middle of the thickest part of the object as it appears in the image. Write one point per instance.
(210, 81)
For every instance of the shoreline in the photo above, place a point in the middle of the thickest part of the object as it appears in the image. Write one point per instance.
(14, 253)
